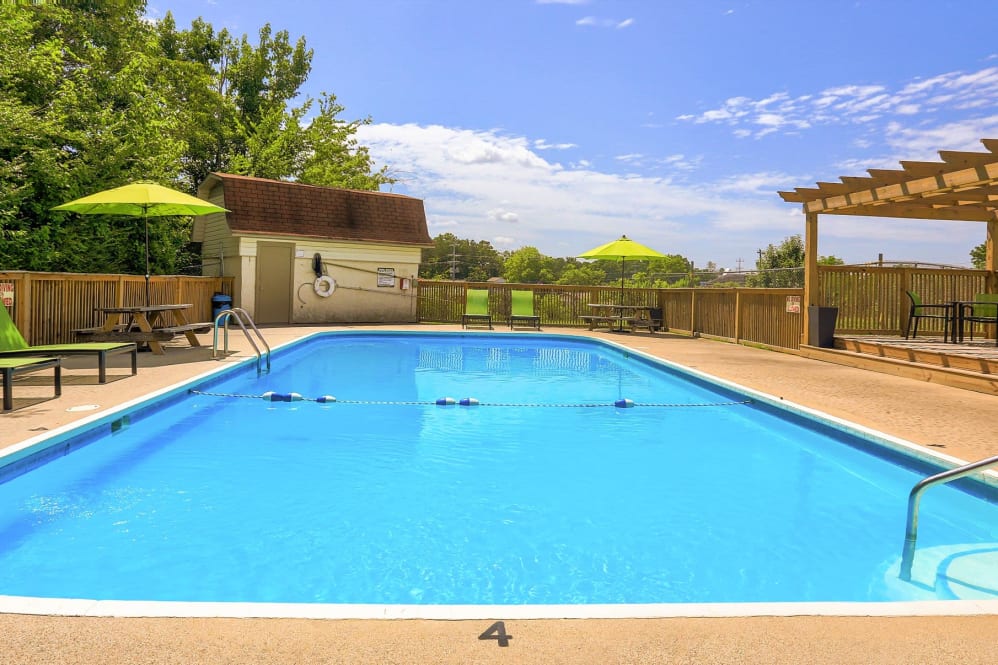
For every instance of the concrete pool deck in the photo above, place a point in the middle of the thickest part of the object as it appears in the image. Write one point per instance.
(947, 420)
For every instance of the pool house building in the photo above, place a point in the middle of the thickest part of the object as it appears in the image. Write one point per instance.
(307, 254)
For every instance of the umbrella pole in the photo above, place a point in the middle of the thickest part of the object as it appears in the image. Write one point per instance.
(145, 217)
(622, 259)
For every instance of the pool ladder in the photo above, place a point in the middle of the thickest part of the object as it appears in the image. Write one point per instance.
(242, 317)
(911, 527)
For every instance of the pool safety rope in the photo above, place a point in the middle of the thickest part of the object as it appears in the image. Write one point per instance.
(271, 396)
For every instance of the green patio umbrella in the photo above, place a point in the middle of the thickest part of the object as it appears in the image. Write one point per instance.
(622, 248)
(141, 199)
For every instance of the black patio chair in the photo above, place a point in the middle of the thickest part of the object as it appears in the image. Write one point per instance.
(920, 310)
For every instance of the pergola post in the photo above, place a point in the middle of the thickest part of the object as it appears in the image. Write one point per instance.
(991, 256)
(811, 291)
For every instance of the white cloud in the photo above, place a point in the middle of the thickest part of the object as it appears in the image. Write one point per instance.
(563, 211)
(595, 22)
(541, 144)
(500, 215)
(853, 104)
(923, 143)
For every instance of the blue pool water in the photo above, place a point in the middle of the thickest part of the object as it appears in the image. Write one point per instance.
(533, 497)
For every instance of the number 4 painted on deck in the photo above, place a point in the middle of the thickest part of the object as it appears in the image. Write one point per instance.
(497, 631)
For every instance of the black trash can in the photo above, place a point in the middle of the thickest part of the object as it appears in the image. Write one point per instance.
(219, 303)
(821, 326)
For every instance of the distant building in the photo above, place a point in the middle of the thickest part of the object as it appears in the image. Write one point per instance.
(306, 254)
(729, 279)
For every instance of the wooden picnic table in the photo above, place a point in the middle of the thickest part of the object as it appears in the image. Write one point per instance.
(635, 316)
(148, 324)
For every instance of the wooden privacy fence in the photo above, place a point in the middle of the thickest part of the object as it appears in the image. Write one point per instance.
(48, 306)
(758, 316)
(871, 299)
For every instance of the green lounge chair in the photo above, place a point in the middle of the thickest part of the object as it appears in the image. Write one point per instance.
(12, 344)
(523, 309)
(11, 366)
(984, 309)
(476, 309)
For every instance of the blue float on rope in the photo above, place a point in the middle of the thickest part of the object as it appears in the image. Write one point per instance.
(468, 401)
(624, 404)
(446, 401)
(325, 399)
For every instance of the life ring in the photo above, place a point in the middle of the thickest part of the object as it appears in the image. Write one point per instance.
(324, 286)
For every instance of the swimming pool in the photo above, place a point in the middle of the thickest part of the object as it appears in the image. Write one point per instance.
(543, 494)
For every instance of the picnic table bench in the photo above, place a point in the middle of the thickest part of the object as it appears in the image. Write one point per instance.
(146, 325)
(633, 316)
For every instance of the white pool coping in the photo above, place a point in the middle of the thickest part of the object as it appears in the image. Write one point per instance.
(147, 609)
(174, 609)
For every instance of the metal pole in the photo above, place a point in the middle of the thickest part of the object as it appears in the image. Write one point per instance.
(145, 217)
(911, 525)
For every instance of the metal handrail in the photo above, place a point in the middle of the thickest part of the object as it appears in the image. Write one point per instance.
(911, 527)
(238, 313)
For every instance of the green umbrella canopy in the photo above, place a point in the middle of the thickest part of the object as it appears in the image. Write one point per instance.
(141, 199)
(622, 248)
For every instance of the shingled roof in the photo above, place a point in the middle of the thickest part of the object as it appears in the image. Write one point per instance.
(273, 207)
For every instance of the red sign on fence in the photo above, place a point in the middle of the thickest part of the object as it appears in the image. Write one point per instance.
(7, 293)
(793, 304)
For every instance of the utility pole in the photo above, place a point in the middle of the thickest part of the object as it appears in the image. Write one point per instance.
(738, 262)
(453, 262)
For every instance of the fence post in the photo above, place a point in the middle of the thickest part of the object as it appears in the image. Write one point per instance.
(738, 316)
(119, 297)
(24, 313)
(693, 311)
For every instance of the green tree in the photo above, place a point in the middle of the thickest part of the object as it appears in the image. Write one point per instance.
(780, 266)
(92, 95)
(457, 258)
(978, 256)
(527, 266)
(83, 106)
(245, 122)
(669, 272)
(582, 274)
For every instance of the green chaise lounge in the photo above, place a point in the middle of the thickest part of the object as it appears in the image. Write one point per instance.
(12, 344)
(522, 310)
(11, 366)
(476, 309)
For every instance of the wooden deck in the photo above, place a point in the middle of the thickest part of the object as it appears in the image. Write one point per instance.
(971, 365)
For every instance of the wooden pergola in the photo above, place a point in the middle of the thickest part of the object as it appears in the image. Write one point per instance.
(962, 187)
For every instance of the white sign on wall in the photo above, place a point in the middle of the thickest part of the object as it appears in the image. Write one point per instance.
(386, 276)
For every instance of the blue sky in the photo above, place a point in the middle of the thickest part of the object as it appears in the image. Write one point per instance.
(561, 124)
